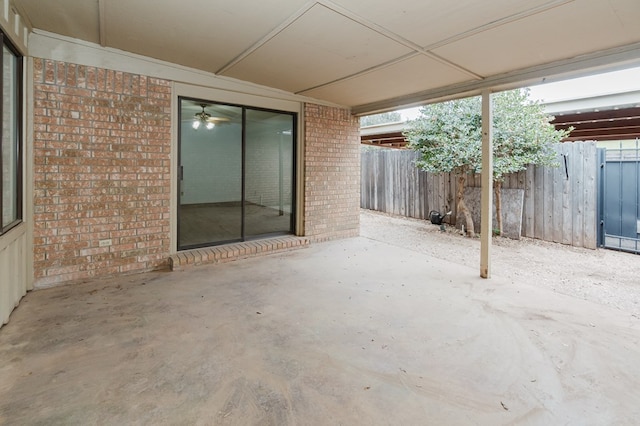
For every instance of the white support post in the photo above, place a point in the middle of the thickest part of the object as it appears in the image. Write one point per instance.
(486, 200)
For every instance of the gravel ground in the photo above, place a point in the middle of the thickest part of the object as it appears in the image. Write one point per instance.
(604, 276)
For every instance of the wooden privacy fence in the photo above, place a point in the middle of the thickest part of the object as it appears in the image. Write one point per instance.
(560, 203)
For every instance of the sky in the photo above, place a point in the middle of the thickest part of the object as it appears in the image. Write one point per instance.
(612, 82)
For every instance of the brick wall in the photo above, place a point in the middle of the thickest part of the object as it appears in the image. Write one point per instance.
(265, 154)
(102, 144)
(332, 173)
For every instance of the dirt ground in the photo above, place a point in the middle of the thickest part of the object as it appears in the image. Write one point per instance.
(604, 276)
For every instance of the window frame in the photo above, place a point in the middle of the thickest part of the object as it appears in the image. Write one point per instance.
(18, 137)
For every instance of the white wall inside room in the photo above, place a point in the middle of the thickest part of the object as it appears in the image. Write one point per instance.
(212, 161)
(269, 160)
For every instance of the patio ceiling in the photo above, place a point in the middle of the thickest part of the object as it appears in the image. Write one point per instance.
(370, 55)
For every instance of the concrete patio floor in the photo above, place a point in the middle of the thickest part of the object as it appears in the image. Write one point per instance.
(345, 332)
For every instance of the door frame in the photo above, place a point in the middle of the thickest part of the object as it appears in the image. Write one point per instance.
(261, 102)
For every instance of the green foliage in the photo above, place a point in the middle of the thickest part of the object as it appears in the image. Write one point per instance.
(386, 117)
(448, 135)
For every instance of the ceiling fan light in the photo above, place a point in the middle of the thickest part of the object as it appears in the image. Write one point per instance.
(195, 124)
(210, 125)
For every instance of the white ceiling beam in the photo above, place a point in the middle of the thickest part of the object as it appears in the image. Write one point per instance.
(360, 73)
(606, 60)
(395, 37)
(499, 22)
(426, 51)
(102, 24)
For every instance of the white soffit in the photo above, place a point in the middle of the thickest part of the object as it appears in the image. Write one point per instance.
(404, 77)
(370, 55)
(427, 23)
(563, 32)
(319, 46)
(71, 18)
(202, 34)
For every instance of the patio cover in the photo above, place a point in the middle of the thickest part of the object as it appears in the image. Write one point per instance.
(369, 55)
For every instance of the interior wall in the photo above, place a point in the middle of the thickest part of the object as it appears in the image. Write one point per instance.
(214, 158)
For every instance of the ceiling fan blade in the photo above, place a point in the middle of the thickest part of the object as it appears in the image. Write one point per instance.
(218, 119)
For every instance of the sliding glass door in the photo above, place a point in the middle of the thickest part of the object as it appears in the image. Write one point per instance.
(268, 173)
(210, 186)
(236, 176)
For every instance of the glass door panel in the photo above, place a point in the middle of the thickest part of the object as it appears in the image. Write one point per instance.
(269, 156)
(210, 185)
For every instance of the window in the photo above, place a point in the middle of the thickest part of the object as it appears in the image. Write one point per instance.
(11, 138)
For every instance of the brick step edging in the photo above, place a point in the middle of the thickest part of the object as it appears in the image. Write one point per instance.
(235, 251)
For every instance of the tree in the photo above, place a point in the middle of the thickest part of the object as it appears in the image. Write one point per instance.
(386, 117)
(448, 137)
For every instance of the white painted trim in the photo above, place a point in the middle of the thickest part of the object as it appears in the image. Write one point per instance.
(300, 174)
(173, 192)
(60, 48)
(233, 97)
(28, 159)
(381, 129)
(12, 235)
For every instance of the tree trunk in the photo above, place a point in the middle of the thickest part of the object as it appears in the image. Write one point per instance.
(462, 206)
(497, 194)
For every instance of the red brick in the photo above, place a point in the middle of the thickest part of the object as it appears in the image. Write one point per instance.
(332, 173)
(88, 126)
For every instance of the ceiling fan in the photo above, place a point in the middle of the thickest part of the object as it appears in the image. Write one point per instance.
(205, 119)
